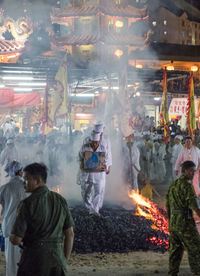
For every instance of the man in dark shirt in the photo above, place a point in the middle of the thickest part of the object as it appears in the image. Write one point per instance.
(42, 223)
(181, 202)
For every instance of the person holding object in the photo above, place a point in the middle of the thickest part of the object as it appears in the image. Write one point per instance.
(10, 196)
(43, 227)
(181, 201)
(93, 182)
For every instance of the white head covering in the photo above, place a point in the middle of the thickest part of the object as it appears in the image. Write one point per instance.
(99, 127)
(146, 133)
(13, 167)
(95, 136)
(10, 141)
(180, 137)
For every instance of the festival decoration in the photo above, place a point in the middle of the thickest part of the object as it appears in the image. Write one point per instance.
(164, 109)
(191, 116)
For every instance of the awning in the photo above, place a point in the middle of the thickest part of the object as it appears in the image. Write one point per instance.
(10, 100)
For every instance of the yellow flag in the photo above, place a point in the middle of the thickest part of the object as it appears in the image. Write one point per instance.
(60, 93)
(191, 116)
(164, 108)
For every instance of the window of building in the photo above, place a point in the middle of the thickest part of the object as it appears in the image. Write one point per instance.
(118, 2)
(154, 23)
(183, 34)
(195, 25)
(165, 22)
(183, 23)
(165, 32)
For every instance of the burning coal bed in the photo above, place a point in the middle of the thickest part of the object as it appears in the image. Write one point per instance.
(120, 230)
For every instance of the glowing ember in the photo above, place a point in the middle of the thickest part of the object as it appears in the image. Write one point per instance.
(150, 211)
(57, 190)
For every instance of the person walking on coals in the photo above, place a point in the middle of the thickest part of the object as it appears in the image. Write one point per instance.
(181, 201)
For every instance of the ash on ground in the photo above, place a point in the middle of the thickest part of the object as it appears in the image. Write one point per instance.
(116, 230)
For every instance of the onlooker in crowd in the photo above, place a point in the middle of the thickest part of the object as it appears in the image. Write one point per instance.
(43, 219)
(10, 196)
(181, 201)
(189, 152)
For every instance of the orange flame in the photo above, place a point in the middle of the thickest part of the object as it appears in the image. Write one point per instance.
(149, 210)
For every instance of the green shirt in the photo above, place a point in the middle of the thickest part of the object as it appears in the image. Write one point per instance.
(43, 216)
(180, 201)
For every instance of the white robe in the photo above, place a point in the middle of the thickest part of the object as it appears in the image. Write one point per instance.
(93, 183)
(10, 196)
(176, 149)
(194, 155)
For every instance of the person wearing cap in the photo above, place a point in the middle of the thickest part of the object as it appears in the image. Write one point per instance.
(10, 196)
(181, 202)
(189, 152)
(105, 141)
(93, 183)
(176, 149)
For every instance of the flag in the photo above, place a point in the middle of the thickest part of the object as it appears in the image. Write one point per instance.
(55, 100)
(164, 109)
(60, 93)
(191, 116)
(47, 120)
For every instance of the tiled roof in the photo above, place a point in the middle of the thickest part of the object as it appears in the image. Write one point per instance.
(10, 46)
(104, 8)
(75, 39)
(109, 38)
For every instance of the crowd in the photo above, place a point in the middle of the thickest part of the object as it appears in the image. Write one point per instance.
(39, 221)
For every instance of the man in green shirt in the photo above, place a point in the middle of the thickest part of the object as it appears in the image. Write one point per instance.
(181, 202)
(45, 227)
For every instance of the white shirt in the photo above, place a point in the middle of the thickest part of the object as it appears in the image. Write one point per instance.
(176, 149)
(10, 196)
(185, 154)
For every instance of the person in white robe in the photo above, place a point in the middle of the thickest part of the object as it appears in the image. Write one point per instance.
(146, 151)
(10, 196)
(104, 140)
(8, 154)
(93, 183)
(131, 159)
(176, 149)
(189, 152)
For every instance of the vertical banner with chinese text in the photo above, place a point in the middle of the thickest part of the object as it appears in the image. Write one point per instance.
(191, 116)
(164, 109)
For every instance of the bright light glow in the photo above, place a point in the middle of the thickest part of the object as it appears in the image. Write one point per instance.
(137, 94)
(118, 53)
(165, 22)
(20, 89)
(2, 85)
(17, 72)
(119, 24)
(81, 114)
(139, 66)
(194, 68)
(154, 23)
(113, 88)
(165, 32)
(17, 78)
(170, 67)
(32, 83)
(82, 95)
(156, 99)
(96, 92)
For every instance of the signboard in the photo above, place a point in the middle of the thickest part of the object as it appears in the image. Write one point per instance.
(94, 161)
(178, 107)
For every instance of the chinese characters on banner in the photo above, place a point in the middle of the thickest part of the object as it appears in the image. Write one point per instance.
(178, 107)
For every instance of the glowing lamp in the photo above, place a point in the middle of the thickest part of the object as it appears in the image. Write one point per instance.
(170, 67)
(139, 66)
(119, 53)
(119, 24)
(194, 68)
